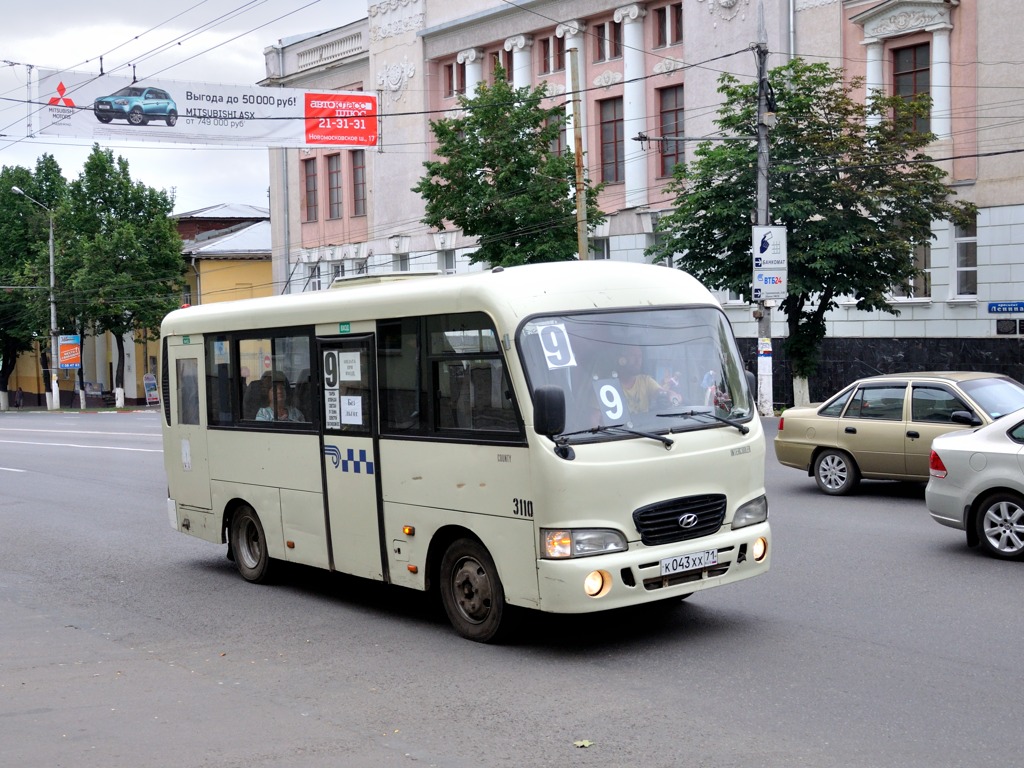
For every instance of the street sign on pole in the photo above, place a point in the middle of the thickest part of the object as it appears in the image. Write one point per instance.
(770, 263)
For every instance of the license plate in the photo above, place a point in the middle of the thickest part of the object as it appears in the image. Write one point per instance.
(691, 561)
(102, 106)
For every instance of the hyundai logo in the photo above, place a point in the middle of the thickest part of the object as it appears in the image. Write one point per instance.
(688, 520)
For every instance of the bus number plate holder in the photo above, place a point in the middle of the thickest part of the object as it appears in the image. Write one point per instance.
(691, 561)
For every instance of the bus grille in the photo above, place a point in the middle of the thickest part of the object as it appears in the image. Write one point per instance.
(659, 523)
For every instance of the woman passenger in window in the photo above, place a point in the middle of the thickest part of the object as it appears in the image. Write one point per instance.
(277, 408)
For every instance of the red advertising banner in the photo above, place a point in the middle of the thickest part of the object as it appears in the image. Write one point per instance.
(341, 118)
(69, 353)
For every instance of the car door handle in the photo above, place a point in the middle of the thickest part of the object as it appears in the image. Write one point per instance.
(912, 433)
(851, 430)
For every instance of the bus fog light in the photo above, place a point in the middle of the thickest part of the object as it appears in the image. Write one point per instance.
(597, 583)
(760, 549)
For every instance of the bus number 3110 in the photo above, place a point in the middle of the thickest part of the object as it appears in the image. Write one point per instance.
(522, 507)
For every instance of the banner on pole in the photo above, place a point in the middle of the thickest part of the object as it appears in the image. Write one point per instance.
(97, 107)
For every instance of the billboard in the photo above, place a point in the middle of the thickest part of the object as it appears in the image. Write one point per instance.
(86, 105)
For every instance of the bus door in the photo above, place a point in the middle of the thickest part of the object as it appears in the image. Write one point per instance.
(186, 459)
(351, 481)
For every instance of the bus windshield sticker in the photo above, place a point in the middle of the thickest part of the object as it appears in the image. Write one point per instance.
(610, 396)
(557, 350)
(352, 410)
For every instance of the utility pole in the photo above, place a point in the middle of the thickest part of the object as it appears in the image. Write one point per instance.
(582, 248)
(765, 405)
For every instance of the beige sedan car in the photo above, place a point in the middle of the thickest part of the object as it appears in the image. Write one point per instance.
(882, 427)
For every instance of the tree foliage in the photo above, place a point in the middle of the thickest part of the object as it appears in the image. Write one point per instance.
(855, 195)
(123, 252)
(498, 179)
(25, 259)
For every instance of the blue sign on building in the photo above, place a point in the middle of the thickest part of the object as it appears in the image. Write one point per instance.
(1005, 307)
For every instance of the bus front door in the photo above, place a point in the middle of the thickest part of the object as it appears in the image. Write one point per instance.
(349, 456)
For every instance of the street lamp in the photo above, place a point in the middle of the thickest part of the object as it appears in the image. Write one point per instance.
(54, 401)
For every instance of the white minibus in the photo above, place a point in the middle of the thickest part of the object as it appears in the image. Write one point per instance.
(567, 437)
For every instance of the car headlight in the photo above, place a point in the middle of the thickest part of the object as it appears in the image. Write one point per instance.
(751, 513)
(121, 102)
(579, 542)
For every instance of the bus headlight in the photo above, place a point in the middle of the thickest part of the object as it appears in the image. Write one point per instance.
(752, 512)
(579, 542)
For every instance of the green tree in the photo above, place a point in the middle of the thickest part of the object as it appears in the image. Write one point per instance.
(856, 195)
(123, 253)
(500, 181)
(25, 261)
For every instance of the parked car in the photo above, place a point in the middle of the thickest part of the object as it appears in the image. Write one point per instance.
(136, 104)
(882, 427)
(976, 484)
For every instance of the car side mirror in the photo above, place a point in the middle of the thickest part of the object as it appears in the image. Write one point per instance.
(965, 417)
(548, 410)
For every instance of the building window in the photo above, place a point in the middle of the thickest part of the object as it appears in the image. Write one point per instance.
(921, 283)
(358, 182)
(912, 77)
(613, 146)
(454, 79)
(558, 144)
(334, 186)
(400, 262)
(600, 248)
(337, 270)
(966, 259)
(446, 262)
(607, 41)
(309, 201)
(668, 25)
(671, 125)
(313, 283)
(552, 55)
(501, 58)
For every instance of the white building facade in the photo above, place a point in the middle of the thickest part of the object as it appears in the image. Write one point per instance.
(651, 69)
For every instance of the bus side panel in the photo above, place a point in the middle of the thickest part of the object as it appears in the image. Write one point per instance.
(483, 488)
(278, 474)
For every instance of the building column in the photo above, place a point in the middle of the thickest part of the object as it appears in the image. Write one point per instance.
(941, 92)
(634, 100)
(873, 74)
(522, 60)
(572, 33)
(473, 58)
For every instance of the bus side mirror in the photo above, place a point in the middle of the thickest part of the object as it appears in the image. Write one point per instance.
(548, 410)
(965, 417)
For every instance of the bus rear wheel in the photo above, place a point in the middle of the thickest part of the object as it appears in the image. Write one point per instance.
(471, 591)
(249, 545)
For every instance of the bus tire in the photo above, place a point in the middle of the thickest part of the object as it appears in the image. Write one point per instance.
(471, 591)
(249, 545)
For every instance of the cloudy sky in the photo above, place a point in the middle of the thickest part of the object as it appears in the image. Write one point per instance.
(218, 41)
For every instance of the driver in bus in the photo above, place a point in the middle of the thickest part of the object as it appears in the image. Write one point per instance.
(640, 389)
(277, 408)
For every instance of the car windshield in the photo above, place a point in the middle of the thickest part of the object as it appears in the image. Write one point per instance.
(129, 91)
(996, 396)
(655, 371)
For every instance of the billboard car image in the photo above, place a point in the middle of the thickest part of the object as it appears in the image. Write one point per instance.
(138, 105)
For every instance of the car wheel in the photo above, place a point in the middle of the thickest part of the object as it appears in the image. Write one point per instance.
(172, 118)
(249, 546)
(1000, 524)
(135, 117)
(471, 591)
(103, 118)
(835, 472)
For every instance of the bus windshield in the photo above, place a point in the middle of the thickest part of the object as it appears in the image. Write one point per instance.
(656, 370)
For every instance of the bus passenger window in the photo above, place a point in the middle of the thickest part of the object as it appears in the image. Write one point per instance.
(188, 391)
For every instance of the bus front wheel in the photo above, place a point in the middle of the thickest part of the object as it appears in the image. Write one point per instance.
(249, 545)
(471, 591)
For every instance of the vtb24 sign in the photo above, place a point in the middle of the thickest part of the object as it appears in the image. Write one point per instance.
(770, 262)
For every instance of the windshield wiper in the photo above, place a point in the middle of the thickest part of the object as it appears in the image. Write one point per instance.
(743, 428)
(607, 428)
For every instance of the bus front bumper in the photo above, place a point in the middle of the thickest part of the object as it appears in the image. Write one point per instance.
(636, 576)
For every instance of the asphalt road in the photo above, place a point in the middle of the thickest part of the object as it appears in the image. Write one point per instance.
(877, 639)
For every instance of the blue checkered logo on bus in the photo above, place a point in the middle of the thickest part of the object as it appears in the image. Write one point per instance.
(356, 464)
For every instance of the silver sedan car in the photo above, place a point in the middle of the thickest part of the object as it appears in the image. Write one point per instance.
(976, 484)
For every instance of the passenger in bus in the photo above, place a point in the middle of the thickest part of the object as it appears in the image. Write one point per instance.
(277, 408)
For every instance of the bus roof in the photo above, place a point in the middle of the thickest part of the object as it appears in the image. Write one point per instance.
(508, 294)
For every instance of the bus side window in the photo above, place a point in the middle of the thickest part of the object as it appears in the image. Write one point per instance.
(188, 390)
(399, 369)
